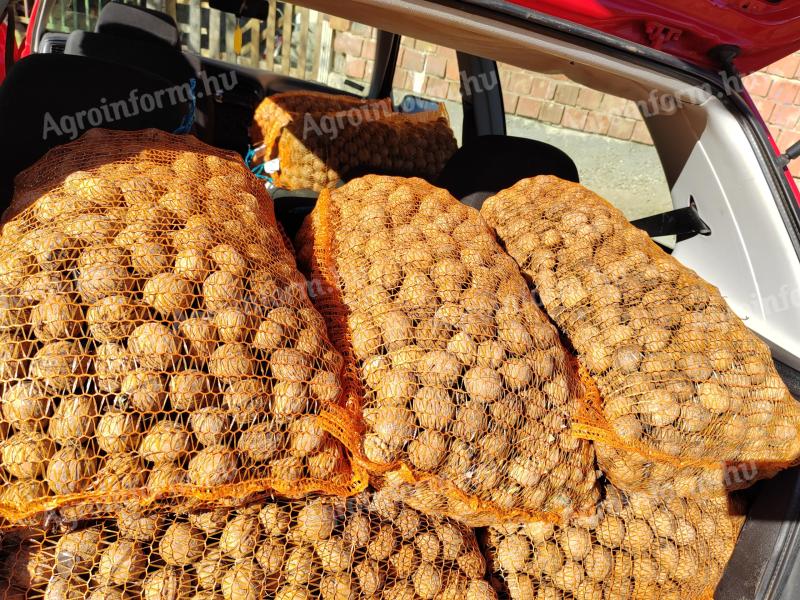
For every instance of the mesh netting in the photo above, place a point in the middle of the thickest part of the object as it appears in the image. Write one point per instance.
(157, 338)
(418, 144)
(635, 548)
(464, 389)
(685, 386)
(277, 111)
(366, 547)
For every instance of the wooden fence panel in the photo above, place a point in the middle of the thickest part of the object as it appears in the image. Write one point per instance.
(286, 43)
(214, 49)
(269, 54)
(315, 62)
(195, 22)
(302, 43)
(230, 27)
(255, 42)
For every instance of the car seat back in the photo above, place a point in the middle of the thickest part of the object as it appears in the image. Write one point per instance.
(50, 99)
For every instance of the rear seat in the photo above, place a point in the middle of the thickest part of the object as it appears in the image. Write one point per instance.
(148, 40)
(51, 99)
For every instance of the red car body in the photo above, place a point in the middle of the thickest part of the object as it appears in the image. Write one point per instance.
(764, 31)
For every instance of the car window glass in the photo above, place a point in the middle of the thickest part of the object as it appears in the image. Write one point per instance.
(294, 40)
(428, 71)
(603, 134)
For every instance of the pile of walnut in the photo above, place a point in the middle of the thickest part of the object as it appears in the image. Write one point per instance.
(366, 139)
(463, 377)
(679, 373)
(277, 111)
(333, 549)
(636, 546)
(155, 331)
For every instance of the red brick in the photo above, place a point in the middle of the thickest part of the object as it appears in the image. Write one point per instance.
(786, 138)
(446, 53)
(409, 83)
(597, 123)
(510, 102)
(529, 108)
(589, 98)
(360, 29)
(551, 113)
(413, 60)
(454, 91)
(399, 80)
(631, 111)
(613, 104)
(784, 92)
(436, 88)
(567, 93)
(425, 46)
(339, 24)
(505, 77)
(543, 88)
(758, 84)
(520, 83)
(435, 65)
(368, 51)
(785, 67)
(347, 43)
(355, 67)
(621, 128)
(765, 107)
(785, 115)
(452, 72)
(574, 118)
(641, 134)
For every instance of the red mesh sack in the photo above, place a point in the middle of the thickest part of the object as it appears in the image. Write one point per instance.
(156, 337)
(636, 547)
(279, 110)
(688, 397)
(322, 547)
(463, 388)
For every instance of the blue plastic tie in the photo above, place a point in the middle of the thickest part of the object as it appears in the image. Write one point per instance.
(188, 119)
(258, 170)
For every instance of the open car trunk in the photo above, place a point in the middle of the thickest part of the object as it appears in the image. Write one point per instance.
(753, 249)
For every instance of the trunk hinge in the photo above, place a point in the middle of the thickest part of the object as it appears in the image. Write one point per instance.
(724, 55)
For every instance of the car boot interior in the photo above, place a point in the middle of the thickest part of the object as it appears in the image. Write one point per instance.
(746, 239)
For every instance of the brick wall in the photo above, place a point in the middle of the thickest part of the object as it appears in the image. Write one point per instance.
(776, 92)
(432, 71)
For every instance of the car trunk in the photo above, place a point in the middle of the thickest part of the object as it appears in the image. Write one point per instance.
(743, 196)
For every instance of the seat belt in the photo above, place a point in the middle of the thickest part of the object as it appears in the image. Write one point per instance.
(684, 223)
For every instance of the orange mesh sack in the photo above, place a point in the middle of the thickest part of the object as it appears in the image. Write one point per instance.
(317, 151)
(321, 548)
(463, 386)
(157, 338)
(277, 111)
(637, 547)
(690, 397)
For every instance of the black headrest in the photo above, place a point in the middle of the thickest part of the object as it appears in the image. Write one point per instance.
(49, 99)
(491, 163)
(136, 22)
(152, 55)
